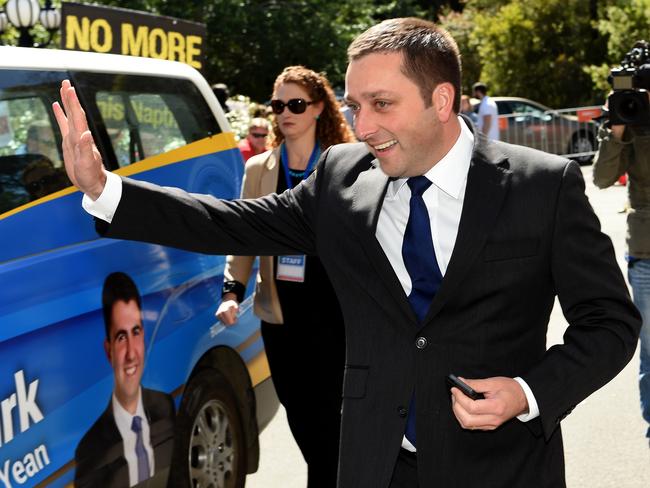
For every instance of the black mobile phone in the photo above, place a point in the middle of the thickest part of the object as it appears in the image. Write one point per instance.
(452, 380)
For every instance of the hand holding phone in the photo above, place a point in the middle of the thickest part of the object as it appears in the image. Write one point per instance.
(454, 381)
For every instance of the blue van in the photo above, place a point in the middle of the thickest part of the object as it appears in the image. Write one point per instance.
(157, 121)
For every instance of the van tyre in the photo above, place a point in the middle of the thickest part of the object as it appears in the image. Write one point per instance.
(210, 450)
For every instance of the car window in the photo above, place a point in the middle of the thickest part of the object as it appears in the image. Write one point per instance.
(526, 109)
(143, 116)
(31, 163)
(503, 107)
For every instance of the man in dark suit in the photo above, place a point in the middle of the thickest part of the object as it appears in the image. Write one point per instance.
(133, 438)
(446, 251)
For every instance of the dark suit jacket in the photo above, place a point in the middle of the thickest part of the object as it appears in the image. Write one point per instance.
(99, 456)
(527, 233)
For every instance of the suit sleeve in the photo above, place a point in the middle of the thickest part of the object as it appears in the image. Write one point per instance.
(603, 323)
(270, 225)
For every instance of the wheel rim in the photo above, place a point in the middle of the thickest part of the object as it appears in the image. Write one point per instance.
(212, 453)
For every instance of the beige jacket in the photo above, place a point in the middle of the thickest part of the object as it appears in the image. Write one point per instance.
(260, 179)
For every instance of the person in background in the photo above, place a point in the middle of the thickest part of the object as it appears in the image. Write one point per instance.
(467, 110)
(626, 149)
(255, 142)
(302, 325)
(488, 113)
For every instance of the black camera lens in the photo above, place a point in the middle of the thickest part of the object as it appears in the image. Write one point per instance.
(629, 109)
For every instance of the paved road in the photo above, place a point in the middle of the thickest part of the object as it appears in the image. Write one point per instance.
(603, 437)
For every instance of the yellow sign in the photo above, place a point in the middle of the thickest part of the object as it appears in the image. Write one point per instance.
(121, 31)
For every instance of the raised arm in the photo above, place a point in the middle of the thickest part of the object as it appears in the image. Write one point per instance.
(83, 162)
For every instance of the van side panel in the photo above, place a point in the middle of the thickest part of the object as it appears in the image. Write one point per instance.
(56, 380)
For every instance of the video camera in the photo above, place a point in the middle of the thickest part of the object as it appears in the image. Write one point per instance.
(628, 104)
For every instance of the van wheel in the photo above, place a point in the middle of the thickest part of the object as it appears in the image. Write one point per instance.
(209, 450)
(582, 142)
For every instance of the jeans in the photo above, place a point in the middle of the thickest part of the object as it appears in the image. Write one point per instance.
(639, 277)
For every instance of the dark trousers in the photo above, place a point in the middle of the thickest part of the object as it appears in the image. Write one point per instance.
(307, 370)
(405, 474)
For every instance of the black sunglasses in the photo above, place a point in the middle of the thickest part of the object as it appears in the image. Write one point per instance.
(257, 135)
(295, 105)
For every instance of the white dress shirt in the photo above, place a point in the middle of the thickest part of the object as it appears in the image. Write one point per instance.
(444, 202)
(123, 420)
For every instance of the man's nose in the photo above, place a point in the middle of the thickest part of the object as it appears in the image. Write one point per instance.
(130, 348)
(364, 124)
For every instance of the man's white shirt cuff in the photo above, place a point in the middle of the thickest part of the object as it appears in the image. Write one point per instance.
(533, 408)
(105, 206)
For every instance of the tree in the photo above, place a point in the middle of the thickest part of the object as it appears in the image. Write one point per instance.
(538, 49)
(461, 26)
(621, 24)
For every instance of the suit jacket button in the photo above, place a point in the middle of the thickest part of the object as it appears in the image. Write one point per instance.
(402, 412)
(421, 342)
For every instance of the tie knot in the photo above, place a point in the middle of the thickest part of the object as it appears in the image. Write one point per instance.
(136, 425)
(418, 184)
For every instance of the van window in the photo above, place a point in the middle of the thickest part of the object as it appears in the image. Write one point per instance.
(31, 163)
(144, 115)
(132, 117)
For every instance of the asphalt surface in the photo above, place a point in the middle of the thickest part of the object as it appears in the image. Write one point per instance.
(604, 438)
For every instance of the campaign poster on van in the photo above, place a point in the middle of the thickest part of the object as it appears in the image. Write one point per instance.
(131, 32)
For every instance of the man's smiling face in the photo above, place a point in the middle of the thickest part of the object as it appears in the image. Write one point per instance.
(125, 350)
(391, 116)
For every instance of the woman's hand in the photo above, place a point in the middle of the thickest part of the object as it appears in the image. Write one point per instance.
(228, 311)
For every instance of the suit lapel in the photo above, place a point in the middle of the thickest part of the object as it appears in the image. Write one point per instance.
(488, 181)
(369, 191)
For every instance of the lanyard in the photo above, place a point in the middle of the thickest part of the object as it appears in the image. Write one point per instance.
(284, 157)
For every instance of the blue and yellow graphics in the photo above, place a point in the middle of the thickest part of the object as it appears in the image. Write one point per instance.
(55, 378)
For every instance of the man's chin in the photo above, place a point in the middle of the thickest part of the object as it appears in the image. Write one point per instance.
(390, 169)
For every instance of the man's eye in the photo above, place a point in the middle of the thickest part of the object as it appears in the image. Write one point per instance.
(353, 107)
(381, 104)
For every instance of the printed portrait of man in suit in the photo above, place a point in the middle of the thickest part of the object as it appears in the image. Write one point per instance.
(132, 440)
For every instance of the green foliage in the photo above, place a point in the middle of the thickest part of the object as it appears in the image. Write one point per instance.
(460, 26)
(537, 49)
(623, 23)
(40, 34)
(250, 42)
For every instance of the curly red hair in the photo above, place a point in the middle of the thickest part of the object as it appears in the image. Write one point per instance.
(331, 127)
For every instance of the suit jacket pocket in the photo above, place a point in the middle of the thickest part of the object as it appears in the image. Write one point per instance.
(354, 382)
(501, 250)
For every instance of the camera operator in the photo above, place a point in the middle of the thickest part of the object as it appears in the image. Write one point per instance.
(625, 148)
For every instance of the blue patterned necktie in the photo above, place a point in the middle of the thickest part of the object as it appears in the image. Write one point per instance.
(140, 451)
(422, 266)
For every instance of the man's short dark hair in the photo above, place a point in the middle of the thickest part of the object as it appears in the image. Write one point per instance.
(480, 87)
(430, 55)
(118, 286)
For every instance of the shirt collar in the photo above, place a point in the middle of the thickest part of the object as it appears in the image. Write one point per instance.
(448, 174)
(123, 419)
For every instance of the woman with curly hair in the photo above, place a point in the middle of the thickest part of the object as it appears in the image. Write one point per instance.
(302, 325)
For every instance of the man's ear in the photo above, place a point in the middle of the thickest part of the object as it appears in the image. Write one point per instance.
(442, 99)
